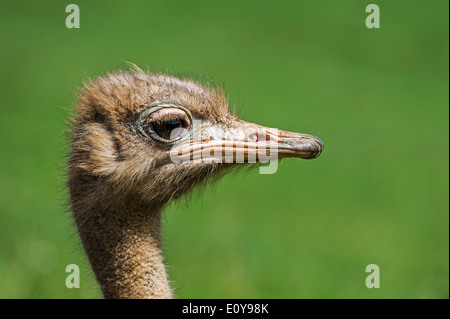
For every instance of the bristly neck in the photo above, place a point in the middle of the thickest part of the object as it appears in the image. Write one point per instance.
(124, 249)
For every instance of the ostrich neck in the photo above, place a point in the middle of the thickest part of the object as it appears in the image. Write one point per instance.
(124, 249)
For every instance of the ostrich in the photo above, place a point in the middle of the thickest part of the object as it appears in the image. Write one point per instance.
(139, 141)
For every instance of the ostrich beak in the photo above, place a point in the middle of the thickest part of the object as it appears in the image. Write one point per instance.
(245, 142)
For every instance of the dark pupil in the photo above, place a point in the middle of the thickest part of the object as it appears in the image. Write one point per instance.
(165, 129)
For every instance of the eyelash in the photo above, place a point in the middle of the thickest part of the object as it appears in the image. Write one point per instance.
(167, 117)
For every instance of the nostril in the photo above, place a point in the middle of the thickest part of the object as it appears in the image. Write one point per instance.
(258, 137)
(262, 137)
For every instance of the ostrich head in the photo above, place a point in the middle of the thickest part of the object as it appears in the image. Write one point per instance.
(150, 138)
(140, 140)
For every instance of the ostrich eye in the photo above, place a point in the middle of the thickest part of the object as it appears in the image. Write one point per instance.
(171, 129)
(166, 123)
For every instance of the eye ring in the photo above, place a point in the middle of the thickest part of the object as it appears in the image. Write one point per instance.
(147, 127)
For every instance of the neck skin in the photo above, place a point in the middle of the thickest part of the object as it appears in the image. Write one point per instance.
(124, 249)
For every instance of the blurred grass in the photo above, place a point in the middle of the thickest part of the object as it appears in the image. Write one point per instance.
(378, 99)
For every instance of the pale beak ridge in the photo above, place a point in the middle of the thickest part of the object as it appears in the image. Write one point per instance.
(247, 143)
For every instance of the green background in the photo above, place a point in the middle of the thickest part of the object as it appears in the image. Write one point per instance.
(378, 98)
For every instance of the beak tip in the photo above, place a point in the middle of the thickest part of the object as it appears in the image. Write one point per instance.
(315, 151)
(321, 147)
(312, 148)
(301, 145)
